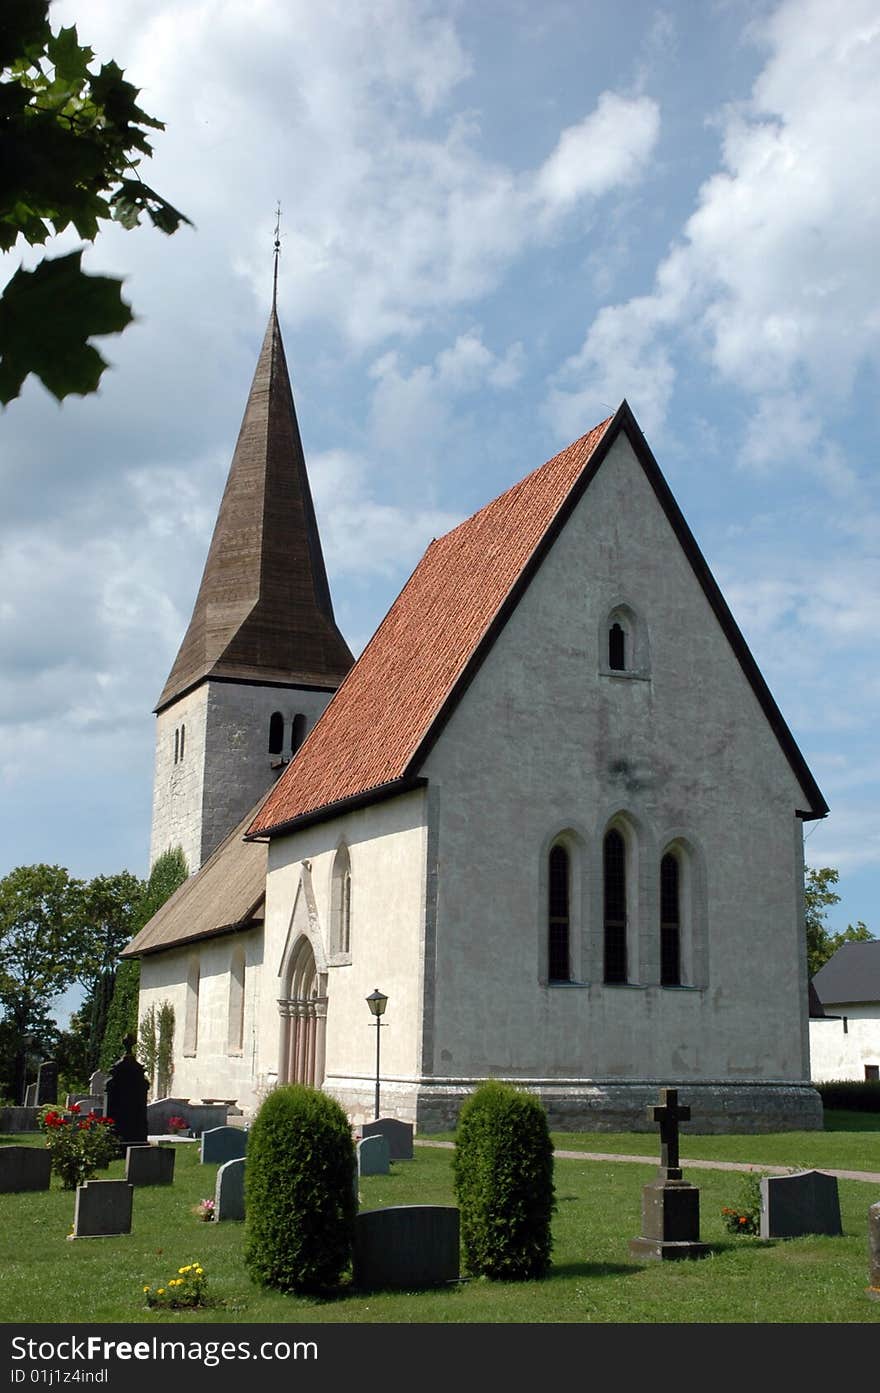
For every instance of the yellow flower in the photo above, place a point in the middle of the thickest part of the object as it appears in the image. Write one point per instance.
(183, 1269)
(146, 1288)
(161, 1291)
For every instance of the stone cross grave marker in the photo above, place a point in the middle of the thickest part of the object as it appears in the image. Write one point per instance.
(24, 1168)
(127, 1089)
(806, 1202)
(670, 1204)
(103, 1209)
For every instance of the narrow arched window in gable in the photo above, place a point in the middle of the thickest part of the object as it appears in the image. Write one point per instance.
(614, 867)
(176, 743)
(276, 733)
(235, 1023)
(182, 741)
(297, 732)
(616, 648)
(670, 921)
(558, 916)
(340, 904)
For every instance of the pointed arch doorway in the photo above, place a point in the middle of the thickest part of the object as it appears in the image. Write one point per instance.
(303, 1011)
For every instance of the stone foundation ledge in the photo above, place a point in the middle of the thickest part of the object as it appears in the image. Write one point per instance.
(596, 1105)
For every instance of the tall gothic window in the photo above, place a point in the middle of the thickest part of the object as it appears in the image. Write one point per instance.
(670, 922)
(276, 733)
(614, 857)
(558, 916)
(235, 1017)
(176, 743)
(616, 648)
(340, 903)
(191, 1018)
(182, 740)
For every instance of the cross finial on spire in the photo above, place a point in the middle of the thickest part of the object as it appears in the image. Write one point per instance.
(277, 253)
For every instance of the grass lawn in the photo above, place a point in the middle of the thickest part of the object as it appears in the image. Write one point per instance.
(593, 1278)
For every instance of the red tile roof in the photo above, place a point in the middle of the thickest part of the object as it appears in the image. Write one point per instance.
(371, 732)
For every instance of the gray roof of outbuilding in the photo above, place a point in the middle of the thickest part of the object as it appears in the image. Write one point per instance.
(853, 974)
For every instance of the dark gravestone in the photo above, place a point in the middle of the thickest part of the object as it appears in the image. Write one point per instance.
(874, 1252)
(792, 1205)
(103, 1209)
(149, 1165)
(399, 1136)
(24, 1168)
(670, 1205)
(47, 1083)
(229, 1190)
(127, 1089)
(221, 1144)
(406, 1245)
(372, 1156)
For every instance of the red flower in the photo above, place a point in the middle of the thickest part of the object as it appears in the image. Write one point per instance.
(74, 1107)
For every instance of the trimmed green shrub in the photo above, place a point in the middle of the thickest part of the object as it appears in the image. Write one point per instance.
(300, 1201)
(859, 1095)
(503, 1177)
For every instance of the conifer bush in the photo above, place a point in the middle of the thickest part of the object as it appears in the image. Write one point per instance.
(300, 1201)
(503, 1177)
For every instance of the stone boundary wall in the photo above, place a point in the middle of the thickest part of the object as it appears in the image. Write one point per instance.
(19, 1119)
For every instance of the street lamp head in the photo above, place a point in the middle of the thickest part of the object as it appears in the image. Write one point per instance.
(377, 1002)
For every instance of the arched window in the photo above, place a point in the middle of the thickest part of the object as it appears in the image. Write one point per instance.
(670, 922)
(558, 968)
(276, 733)
(297, 732)
(616, 648)
(191, 1019)
(340, 904)
(182, 741)
(614, 867)
(235, 1032)
(176, 743)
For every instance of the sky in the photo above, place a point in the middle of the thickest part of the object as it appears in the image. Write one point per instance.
(498, 220)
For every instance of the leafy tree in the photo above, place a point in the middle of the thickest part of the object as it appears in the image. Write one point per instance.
(169, 871)
(42, 946)
(71, 141)
(818, 897)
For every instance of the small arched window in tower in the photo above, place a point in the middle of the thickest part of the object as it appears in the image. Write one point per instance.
(276, 733)
(176, 743)
(182, 741)
(670, 922)
(558, 915)
(297, 732)
(614, 856)
(617, 648)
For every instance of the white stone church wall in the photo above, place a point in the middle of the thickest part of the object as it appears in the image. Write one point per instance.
(842, 1045)
(386, 847)
(547, 740)
(218, 1066)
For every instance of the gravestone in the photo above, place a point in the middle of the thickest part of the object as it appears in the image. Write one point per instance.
(399, 1136)
(103, 1209)
(806, 1202)
(86, 1102)
(372, 1156)
(47, 1083)
(229, 1190)
(30, 1096)
(198, 1116)
(670, 1204)
(98, 1083)
(24, 1168)
(127, 1089)
(149, 1165)
(406, 1245)
(874, 1252)
(221, 1144)
(19, 1120)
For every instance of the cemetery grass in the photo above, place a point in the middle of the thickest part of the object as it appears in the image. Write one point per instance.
(593, 1277)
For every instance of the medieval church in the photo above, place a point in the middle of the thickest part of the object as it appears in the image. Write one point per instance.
(552, 813)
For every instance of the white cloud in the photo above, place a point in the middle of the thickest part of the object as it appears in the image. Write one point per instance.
(604, 150)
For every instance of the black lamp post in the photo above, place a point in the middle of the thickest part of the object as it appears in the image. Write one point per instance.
(377, 1003)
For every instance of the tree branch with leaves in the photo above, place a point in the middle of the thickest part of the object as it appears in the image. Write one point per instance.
(71, 144)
